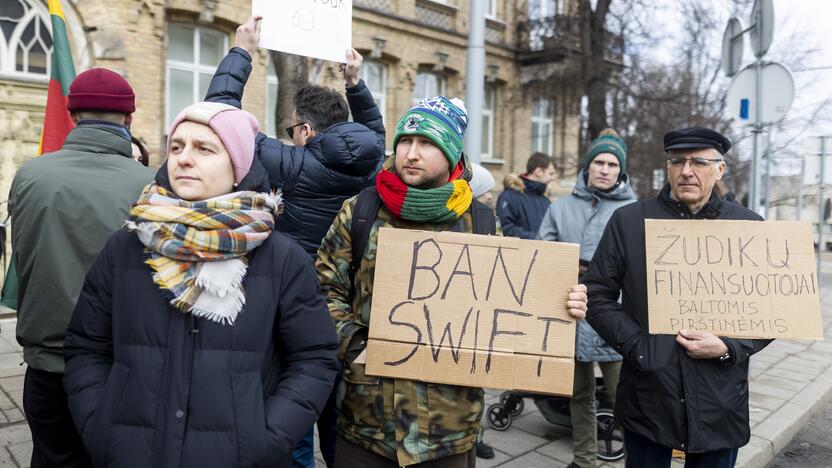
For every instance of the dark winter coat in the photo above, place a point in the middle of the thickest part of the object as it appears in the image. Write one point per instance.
(150, 386)
(521, 207)
(580, 218)
(61, 221)
(317, 178)
(696, 405)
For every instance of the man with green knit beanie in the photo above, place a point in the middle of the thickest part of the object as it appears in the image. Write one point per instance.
(388, 422)
(580, 218)
(608, 142)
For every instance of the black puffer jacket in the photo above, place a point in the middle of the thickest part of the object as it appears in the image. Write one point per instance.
(316, 179)
(150, 386)
(696, 405)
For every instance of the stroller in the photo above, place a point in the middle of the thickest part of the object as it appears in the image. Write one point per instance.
(555, 410)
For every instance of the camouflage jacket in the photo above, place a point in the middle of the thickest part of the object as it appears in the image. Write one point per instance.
(403, 420)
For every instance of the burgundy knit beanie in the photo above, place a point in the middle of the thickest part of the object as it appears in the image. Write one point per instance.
(99, 89)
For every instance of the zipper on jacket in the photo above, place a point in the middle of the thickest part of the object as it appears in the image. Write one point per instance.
(194, 327)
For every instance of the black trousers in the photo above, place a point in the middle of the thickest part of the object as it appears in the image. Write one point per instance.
(55, 441)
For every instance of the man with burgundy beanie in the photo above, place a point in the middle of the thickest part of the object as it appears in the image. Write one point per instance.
(64, 206)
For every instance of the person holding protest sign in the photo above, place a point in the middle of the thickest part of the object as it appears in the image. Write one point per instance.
(689, 391)
(200, 337)
(388, 422)
(523, 203)
(580, 218)
(332, 160)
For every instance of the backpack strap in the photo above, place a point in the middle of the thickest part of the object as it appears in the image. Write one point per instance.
(483, 218)
(363, 217)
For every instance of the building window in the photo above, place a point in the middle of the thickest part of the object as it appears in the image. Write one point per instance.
(271, 99)
(542, 125)
(374, 75)
(25, 40)
(193, 55)
(488, 123)
(542, 15)
(428, 85)
(491, 9)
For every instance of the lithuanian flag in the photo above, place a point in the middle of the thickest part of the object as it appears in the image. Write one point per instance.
(57, 123)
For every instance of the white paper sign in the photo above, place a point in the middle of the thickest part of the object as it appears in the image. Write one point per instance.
(314, 28)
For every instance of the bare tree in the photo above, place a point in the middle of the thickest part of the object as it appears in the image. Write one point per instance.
(293, 74)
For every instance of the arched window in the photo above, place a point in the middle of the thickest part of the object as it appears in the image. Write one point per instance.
(25, 39)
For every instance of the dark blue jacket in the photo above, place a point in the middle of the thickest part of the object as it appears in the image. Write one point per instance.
(521, 207)
(316, 179)
(150, 386)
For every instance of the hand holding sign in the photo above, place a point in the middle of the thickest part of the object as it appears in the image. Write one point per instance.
(701, 345)
(576, 304)
(352, 69)
(248, 34)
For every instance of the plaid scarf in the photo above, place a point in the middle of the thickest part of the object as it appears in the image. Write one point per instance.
(441, 205)
(198, 249)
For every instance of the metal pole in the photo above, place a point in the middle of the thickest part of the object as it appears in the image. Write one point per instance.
(820, 200)
(767, 181)
(758, 125)
(800, 188)
(475, 79)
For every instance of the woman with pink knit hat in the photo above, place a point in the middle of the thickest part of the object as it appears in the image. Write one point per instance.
(192, 342)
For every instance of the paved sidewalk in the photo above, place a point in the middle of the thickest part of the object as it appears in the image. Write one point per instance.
(790, 381)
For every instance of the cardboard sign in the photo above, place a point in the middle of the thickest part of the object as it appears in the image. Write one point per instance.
(743, 279)
(314, 28)
(473, 310)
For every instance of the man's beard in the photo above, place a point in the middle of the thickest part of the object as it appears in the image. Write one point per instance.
(432, 183)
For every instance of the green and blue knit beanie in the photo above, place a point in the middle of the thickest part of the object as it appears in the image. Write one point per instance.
(439, 119)
(608, 141)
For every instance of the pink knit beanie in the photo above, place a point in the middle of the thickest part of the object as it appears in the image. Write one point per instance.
(235, 127)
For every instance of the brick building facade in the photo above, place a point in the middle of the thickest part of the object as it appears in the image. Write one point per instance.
(168, 50)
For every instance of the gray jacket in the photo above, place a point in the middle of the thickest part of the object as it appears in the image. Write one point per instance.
(64, 206)
(580, 218)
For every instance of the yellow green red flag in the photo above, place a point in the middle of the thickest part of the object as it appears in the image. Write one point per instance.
(57, 122)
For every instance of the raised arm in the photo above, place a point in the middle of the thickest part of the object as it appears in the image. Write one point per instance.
(362, 105)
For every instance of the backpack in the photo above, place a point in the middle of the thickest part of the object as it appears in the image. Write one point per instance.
(366, 209)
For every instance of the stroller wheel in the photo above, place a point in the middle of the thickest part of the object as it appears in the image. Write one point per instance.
(610, 442)
(513, 403)
(498, 418)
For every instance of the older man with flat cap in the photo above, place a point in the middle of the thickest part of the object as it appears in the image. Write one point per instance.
(689, 391)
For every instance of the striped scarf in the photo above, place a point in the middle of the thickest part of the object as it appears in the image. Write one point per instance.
(439, 205)
(198, 249)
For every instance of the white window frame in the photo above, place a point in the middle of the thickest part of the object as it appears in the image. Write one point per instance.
(442, 85)
(541, 121)
(491, 9)
(8, 50)
(195, 68)
(488, 108)
(271, 107)
(380, 97)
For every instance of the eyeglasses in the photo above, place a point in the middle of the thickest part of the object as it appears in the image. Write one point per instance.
(291, 129)
(699, 163)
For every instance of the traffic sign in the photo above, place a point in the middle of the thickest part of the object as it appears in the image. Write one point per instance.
(765, 29)
(777, 94)
(732, 47)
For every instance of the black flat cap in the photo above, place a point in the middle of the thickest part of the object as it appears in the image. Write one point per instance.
(696, 137)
